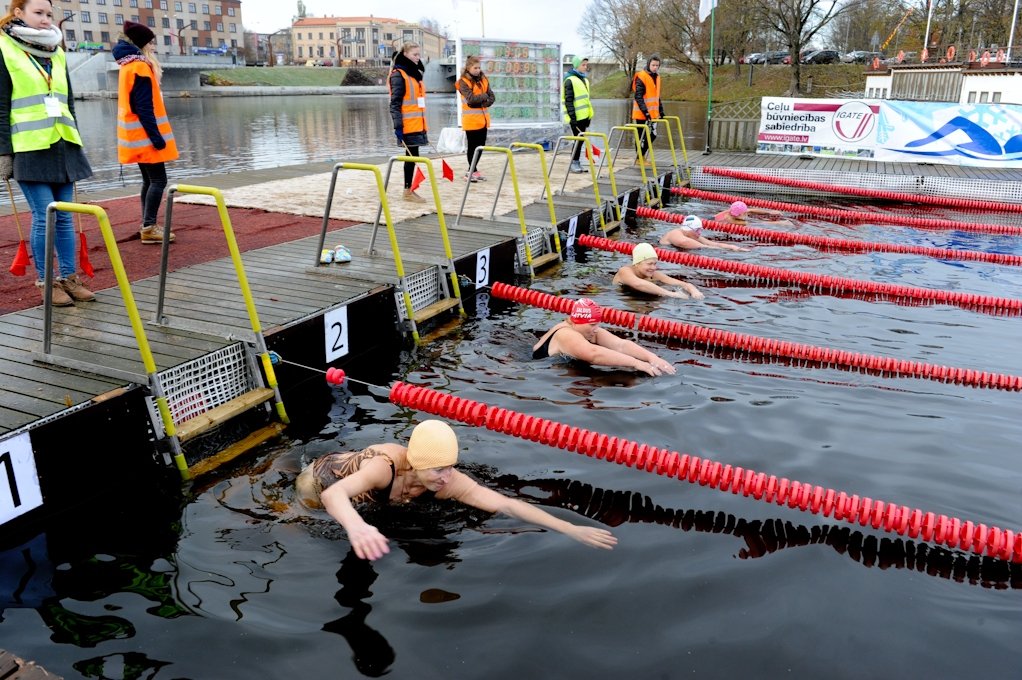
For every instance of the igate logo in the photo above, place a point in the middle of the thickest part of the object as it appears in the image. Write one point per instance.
(853, 121)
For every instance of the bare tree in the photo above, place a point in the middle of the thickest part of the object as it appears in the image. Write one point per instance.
(797, 22)
(619, 27)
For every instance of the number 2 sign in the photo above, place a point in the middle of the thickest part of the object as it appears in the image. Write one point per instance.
(336, 326)
(19, 483)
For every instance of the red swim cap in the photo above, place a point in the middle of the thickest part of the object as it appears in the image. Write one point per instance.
(586, 311)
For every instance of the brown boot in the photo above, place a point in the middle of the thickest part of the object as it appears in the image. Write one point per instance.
(74, 287)
(413, 197)
(60, 297)
(153, 234)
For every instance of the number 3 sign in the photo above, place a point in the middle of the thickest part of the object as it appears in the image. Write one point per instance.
(19, 483)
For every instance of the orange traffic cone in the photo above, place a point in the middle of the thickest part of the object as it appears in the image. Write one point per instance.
(21, 258)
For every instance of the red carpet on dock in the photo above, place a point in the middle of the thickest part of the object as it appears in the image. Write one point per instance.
(199, 238)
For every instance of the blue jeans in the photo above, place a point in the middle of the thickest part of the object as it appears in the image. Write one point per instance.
(39, 195)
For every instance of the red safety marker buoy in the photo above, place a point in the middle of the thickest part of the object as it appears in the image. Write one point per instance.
(335, 376)
(951, 53)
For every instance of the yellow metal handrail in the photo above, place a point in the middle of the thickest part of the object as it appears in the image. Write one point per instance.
(392, 235)
(652, 157)
(246, 291)
(546, 187)
(440, 219)
(684, 148)
(124, 285)
(592, 172)
(610, 170)
(624, 129)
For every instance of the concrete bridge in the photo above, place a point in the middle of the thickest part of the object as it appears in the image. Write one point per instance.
(96, 74)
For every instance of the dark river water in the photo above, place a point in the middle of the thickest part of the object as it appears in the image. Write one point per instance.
(237, 581)
(232, 134)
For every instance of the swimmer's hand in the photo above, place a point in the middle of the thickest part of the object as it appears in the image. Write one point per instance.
(593, 537)
(656, 367)
(368, 542)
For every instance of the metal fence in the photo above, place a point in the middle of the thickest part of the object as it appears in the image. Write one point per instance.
(735, 125)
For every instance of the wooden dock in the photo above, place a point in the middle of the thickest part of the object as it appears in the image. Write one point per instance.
(13, 668)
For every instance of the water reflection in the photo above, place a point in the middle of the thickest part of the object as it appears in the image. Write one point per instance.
(231, 134)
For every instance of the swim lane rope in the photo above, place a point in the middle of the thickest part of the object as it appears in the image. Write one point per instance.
(851, 215)
(942, 201)
(817, 281)
(980, 539)
(712, 337)
(825, 243)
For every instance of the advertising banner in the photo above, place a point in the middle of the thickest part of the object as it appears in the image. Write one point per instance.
(977, 135)
(525, 78)
(818, 127)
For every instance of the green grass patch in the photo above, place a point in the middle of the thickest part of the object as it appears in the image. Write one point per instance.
(278, 76)
(731, 84)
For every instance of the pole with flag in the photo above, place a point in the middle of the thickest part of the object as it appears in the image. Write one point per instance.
(926, 38)
(708, 8)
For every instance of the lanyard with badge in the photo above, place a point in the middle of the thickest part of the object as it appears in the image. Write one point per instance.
(50, 102)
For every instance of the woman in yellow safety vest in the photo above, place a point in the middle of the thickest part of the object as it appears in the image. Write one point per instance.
(476, 98)
(39, 142)
(576, 107)
(647, 106)
(408, 108)
(143, 129)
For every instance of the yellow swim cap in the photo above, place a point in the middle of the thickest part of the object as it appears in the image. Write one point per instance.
(433, 444)
(643, 252)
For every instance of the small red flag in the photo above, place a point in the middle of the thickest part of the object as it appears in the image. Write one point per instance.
(596, 151)
(83, 255)
(447, 171)
(20, 260)
(417, 179)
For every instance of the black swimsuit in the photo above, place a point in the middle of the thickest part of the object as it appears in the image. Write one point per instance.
(543, 351)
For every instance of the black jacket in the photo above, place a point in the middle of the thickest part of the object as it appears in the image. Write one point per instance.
(640, 94)
(397, 94)
(63, 162)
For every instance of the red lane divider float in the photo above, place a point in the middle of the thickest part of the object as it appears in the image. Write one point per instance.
(851, 215)
(899, 519)
(769, 346)
(816, 281)
(942, 201)
(824, 243)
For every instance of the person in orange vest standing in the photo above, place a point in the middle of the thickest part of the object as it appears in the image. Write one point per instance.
(144, 135)
(408, 108)
(647, 107)
(476, 100)
(40, 146)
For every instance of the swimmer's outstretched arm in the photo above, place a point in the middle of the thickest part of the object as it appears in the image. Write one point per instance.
(709, 243)
(626, 277)
(606, 339)
(599, 354)
(676, 238)
(367, 541)
(692, 291)
(466, 490)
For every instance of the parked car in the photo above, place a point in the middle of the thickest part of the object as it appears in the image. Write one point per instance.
(774, 57)
(822, 57)
(862, 57)
(751, 58)
(907, 58)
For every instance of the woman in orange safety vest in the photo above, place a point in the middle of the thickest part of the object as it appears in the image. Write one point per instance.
(647, 106)
(408, 108)
(476, 98)
(143, 129)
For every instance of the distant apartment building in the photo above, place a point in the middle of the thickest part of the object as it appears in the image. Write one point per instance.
(354, 41)
(180, 27)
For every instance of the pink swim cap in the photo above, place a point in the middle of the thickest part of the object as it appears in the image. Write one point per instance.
(586, 311)
(738, 208)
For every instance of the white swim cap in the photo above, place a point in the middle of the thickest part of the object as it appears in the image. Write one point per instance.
(692, 223)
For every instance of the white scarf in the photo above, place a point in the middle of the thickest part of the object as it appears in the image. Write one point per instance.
(36, 41)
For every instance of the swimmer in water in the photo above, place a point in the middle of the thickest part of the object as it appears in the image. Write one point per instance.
(690, 236)
(391, 473)
(739, 213)
(580, 337)
(642, 275)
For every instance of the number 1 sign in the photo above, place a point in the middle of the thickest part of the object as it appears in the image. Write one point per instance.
(19, 483)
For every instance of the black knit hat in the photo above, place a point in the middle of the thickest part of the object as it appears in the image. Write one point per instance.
(140, 34)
